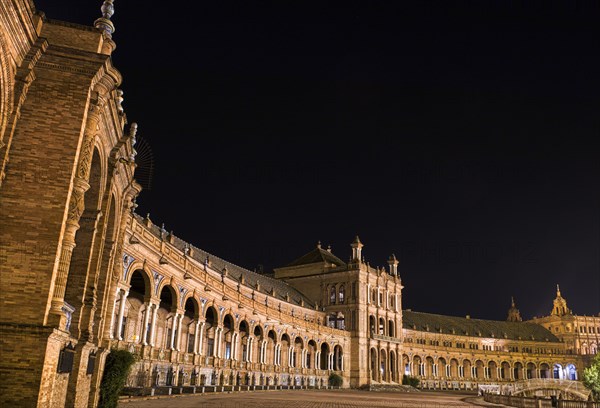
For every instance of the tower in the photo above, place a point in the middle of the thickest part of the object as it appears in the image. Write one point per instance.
(560, 305)
(356, 249)
(66, 179)
(513, 313)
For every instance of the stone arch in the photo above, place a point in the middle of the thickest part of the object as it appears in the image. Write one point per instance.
(544, 369)
(406, 365)
(173, 292)
(479, 370)
(571, 372)
(167, 310)
(505, 370)
(211, 322)
(418, 366)
(244, 327)
(518, 371)
(429, 366)
(191, 313)
(296, 354)
(383, 365)
(258, 331)
(530, 370)
(467, 368)
(338, 357)
(84, 212)
(558, 372)
(195, 309)
(454, 368)
(311, 352)
(373, 363)
(140, 285)
(393, 366)
(7, 87)
(244, 333)
(285, 348)
(441, 367)
(324, 363)
(492, 370)
(228, 335)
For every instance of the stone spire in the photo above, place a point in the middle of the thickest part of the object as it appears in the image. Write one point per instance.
(393, 263)
(106, 27)
(560, 305)
(356, 249)
(513, 313)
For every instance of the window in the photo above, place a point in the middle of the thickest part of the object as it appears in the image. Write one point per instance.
(228, 350)
(332, 295)
(341, 294)
(210, 346)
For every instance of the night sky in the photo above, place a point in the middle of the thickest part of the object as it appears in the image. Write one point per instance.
(463, 138)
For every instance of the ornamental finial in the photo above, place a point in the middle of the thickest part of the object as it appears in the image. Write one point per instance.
(106, 26)
(107, 9)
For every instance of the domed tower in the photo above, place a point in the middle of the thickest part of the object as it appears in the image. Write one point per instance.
(560, 305)
(513, 313)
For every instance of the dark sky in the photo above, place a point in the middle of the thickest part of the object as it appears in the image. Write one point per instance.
(462, 138)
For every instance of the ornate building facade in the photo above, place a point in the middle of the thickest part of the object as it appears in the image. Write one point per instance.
(82, 273)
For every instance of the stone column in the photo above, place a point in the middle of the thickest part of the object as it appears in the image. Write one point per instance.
(173, 328)
(124, 295)
(250, 347)
(147, 313)
(153, 325)
(196, 335)
(217, 347)
(201, 337)
(112, 314)
(179, 330)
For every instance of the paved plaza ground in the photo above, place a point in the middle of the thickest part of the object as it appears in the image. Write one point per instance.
(313, 399)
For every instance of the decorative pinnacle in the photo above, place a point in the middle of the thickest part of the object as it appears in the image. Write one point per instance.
(132, 132)
(107, 9)
(103, 23)
(512, 301)
(557, 290)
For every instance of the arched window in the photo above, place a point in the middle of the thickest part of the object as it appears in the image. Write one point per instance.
(332, 295)
(341, 294)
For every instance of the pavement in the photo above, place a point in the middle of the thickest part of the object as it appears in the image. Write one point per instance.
(312, 399)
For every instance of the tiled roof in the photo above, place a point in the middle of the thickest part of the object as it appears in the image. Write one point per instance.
(234, 271)
(475, 327)
(317, 255)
